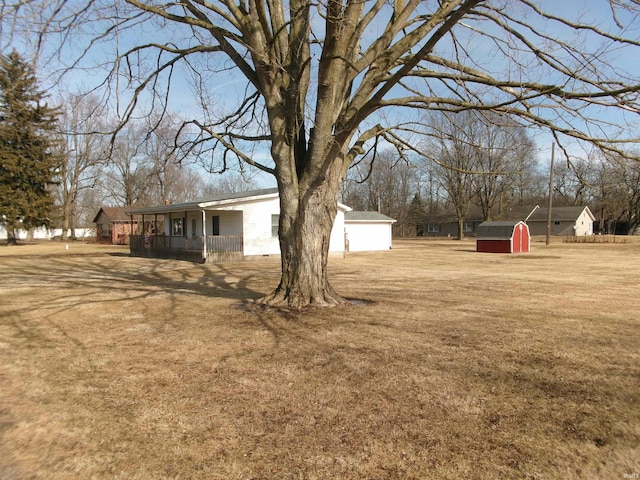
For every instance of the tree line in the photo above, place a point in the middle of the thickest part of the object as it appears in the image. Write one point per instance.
(60, 165)
(481, 166)
(142, 166)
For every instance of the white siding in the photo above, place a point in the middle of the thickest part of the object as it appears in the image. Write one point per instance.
(251, 218)
(255, 219)
(230, 222)
(197, 216)
(256, 226)
(584, 224)
(365, 237)
(336, 241)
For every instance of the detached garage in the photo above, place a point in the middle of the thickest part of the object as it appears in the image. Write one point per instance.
(503, 237)
(367, 231)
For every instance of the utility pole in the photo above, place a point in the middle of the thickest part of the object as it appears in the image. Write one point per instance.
(553, 150)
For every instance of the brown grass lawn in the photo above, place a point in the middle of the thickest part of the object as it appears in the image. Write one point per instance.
(466, 366)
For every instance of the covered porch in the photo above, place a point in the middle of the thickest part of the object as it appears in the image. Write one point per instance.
(186, 232)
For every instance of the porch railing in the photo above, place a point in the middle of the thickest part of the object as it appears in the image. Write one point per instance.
(220, 248)
(224, 248)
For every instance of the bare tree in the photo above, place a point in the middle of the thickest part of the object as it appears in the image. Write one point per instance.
(84, 153)
(482, 162)
(384, 183)
(319, 75)
(505, 154)
(575, 181)
(231, 182)
(453, 148)
(619, 193)
(169, 179)
(129, 175)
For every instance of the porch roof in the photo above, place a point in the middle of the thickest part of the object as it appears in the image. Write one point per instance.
(220, 200)
(203, 203)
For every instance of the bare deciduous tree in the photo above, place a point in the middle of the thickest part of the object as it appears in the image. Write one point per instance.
(319, 75)
(384, 183)
(505, 154)
(619, 193)
(454, 149)
(84, 153)
(169, 180)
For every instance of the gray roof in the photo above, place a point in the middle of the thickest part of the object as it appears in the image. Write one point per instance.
(558, 214)
(237, 195)
(113, 214)
(533, 214)
(496, 230)
(199, 203)
(359, 216)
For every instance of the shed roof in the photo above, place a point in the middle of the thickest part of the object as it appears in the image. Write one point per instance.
(497, 230)
(367, 217)
(113, 214)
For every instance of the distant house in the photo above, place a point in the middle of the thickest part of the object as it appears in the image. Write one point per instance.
(114, 226)
(572, 221)
(446, 225)
(230, 227)
(576, 221)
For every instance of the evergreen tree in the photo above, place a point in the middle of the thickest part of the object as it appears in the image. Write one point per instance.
(27, 163)
(417, 215)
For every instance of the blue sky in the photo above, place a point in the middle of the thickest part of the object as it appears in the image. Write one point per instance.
(228, 87)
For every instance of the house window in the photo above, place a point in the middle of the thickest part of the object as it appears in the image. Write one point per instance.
(177, 227)
(275, 220)
(556, 223)
(433, 228)
(467, 227)
(194, 224)
(215, 225)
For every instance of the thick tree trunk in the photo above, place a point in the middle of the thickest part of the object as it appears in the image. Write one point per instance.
(11, 236)
(65, 227)
(305, 231)
(460, 228)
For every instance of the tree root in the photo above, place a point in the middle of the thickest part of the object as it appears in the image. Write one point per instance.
(280, 299)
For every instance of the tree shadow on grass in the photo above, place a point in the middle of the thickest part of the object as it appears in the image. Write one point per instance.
(68, 281)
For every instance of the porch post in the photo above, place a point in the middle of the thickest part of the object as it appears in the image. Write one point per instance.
(204, 235)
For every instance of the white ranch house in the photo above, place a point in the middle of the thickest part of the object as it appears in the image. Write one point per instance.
(242, 225)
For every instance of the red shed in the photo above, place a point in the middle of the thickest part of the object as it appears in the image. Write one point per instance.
(503, 237)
